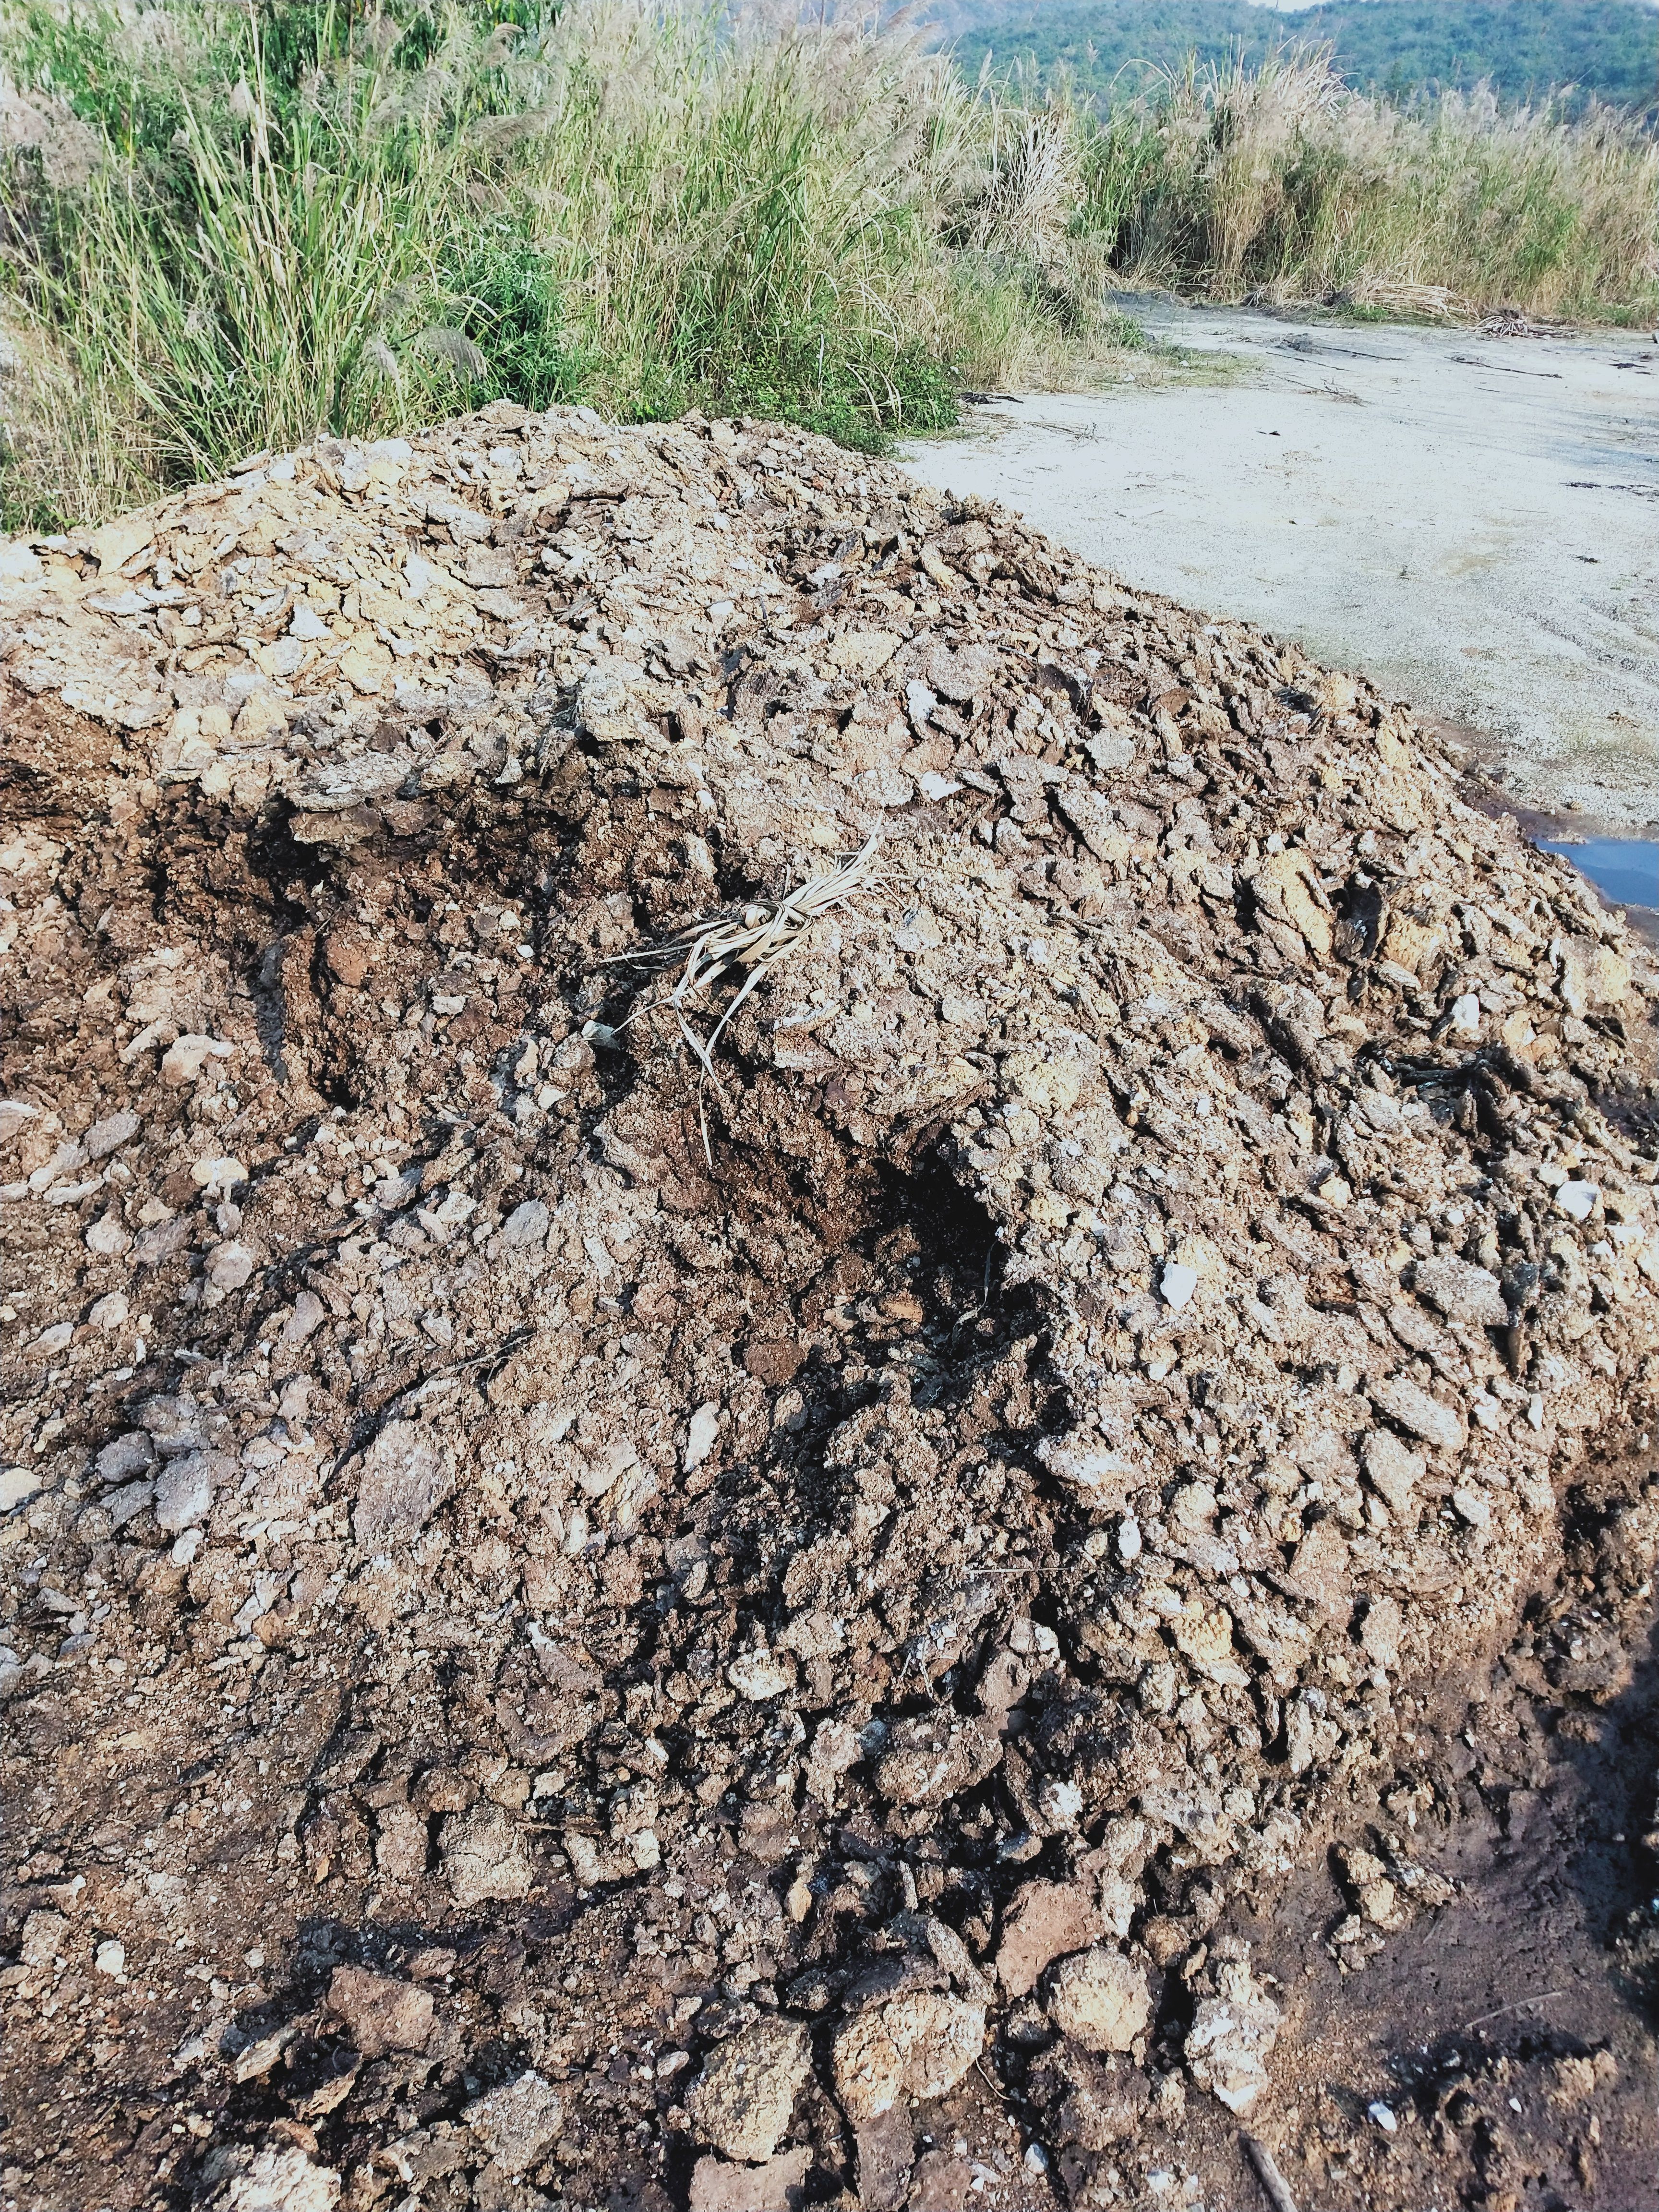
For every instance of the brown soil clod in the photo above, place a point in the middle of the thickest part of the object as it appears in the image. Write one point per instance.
(574, 1639)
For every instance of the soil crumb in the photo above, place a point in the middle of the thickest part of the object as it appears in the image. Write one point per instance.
(944, 1597)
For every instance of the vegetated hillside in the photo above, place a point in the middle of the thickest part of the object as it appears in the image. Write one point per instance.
(1525, 49)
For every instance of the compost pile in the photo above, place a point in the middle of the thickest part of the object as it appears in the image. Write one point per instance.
(601, 1614)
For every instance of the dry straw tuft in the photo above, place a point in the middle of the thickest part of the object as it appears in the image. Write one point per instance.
(754, 936)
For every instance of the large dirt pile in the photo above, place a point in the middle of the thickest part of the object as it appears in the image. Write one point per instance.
(550, 1658)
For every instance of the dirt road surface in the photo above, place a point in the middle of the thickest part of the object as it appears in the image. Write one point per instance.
(1472, 521)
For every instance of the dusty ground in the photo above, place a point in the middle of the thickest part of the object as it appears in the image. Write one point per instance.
(1056, 1557)
(1469, 517)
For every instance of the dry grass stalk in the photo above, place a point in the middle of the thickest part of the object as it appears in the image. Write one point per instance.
(754, 936)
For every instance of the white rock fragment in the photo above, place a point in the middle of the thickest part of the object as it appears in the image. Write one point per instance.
(484, 1856)
(185, 1058)
(406, 1475)
(308, 1315)
(1096, 1473)
(758, 1675)
(701, 1431)
(1178, 1283)
(184, 1494)
(110, 1958)
(109, 1134)
(526, 1225)
(1230, 2037)
(1577, 1200)
(229, 1266)
(17, 1486)
(124, 1456)
(217, 1176)
(279, 2180)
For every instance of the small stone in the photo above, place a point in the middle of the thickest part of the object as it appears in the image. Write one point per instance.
(184, 1060)
(109, 1135)
(123, 1456)
(1381, 1632)
(126, 1502)
(184, 1494)
(111, 1957)
(919, 2046)
(17, 1486)
(1472, 1505)
(1320, 1570)
(933, 1756)
(337, 786)
(516, 2122)
(108, 1237)
(862, 652)
(307, 1317)
(51, 1341)
(1045, 1920)
(1417, 1413)
(484, 1856)
(109, 1312)
(747, 2091)
(758, 1675)
(219, 1175)
(1178, 1283)
(1100, 1999)
(400, 1842)
(379, 2013)
(1577, 1200)
(278, 2180)
(1393, 1471)
(1230, 2037)
(1466, 1014)
(699, 1434)
(1592, 976)
(526, 1225)
(779, 2185)
(229, 1266)
(45, 1934)
(1461, 1292)
(885, 2150)
(406, 1476)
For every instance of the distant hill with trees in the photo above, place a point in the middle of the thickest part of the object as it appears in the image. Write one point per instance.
(1528, 50)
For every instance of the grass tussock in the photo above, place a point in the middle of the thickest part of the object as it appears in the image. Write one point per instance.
(1280, 182)
(223, 228)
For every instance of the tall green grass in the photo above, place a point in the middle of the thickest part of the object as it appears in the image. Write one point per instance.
(1279, 181)
(230, 228)
(225, 226)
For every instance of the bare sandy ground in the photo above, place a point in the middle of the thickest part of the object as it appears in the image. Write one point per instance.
(1473, 521)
